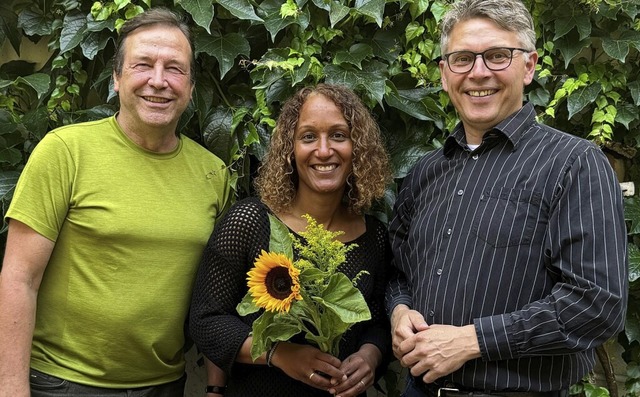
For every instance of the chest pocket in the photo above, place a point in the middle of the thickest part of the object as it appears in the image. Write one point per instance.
(508, 217)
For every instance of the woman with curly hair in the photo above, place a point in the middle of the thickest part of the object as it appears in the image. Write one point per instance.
(326, 159)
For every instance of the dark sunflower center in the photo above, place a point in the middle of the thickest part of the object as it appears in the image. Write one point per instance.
(278, 282)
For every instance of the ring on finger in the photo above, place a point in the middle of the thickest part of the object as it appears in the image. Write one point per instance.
(363, 385)
(311, 375)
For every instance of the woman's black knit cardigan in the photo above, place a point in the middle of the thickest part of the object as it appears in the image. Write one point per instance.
(219, 331)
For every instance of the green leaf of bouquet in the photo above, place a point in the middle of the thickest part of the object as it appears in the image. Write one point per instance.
(246, 306)
(311, 274)
(271, 327)
(259, 343)
(280, 240)
(345, 300)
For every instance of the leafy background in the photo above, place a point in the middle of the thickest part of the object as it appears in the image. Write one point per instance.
(253, 54)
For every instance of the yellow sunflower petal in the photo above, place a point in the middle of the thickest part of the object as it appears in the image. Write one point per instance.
(274, 282)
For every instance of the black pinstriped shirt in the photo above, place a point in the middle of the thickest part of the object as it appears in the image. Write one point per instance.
(523, 237)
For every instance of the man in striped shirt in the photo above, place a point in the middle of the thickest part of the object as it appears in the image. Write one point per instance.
(509, 240)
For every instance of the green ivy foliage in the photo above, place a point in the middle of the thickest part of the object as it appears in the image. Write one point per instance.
(253, 54)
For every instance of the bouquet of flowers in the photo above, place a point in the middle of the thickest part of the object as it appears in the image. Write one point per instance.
(308, 295)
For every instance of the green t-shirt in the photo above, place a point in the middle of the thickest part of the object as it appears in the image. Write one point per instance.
(129, 227)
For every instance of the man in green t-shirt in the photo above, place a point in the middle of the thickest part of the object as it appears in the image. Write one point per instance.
(106, 229)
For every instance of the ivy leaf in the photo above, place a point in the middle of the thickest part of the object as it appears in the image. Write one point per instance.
(634, 263)
(275, 23)
(337, 12)
(634, 88)
(10, 155)
(372, 78)
(36, 121)
(97, 26)
(617, 49)
(34, 23)
(417, 8)
(301, 73)
(582, 97)
(8, 180)
(224, 48)
(632, 324)
(9, 27)
(7, 125)
(416, 103)
(371, 8)
(240, 9)
(632, 37)
(627, 114)
(355, 55)
(569, 47)
(404, 157)
(39, 82)
(201, 11)
(386, 44)
(322, 4)
(581, 22)
(280, 240)
(539, 97)
(94, 43)
(73, 28)
(215, 132)
(632, 215)
(438, 9)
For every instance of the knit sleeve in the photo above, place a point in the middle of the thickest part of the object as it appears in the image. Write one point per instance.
(378, 331)
(215, 326)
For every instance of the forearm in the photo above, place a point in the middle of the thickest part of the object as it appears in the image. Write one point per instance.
(244, 354)
(17, 320)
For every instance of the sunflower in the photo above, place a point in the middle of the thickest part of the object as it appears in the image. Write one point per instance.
(274, 282)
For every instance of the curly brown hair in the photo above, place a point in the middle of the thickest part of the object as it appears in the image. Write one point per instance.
(277, 178)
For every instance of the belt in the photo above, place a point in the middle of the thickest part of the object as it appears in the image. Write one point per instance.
(434, 390)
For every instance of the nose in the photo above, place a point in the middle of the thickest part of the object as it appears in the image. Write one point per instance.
(479, 67)
(157, 78)
(324, 147)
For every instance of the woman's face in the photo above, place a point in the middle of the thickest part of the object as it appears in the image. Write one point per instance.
(322, 149)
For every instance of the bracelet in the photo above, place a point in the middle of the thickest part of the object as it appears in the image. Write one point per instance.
(270, 354)
(215, 389)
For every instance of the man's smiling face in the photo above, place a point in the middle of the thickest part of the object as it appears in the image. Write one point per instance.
(482, 97)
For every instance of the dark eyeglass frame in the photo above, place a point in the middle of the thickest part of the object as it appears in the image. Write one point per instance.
(475, 56)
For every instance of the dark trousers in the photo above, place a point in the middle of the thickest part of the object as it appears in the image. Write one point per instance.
(43, 385)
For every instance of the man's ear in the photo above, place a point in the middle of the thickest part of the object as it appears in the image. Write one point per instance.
(443, 78)
(116, 82)
(530, 67)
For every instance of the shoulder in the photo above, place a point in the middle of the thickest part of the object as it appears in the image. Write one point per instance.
(561, 141)
(194, 148)
(80, 130)
(249, 209)
(376, 229)
(562, 147)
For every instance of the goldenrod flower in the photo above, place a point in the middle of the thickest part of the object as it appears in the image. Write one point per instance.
(274, 282)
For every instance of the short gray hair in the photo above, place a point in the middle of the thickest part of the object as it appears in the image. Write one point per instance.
(510, 15)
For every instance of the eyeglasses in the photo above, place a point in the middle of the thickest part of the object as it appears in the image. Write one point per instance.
(494, 59)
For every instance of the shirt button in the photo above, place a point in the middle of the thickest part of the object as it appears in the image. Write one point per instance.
(475, 157)
(449, 231)
(439, 272)
(432, 313)
(460, 192)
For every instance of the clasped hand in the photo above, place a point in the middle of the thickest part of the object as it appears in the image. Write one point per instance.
(431, 351)
(309, 365)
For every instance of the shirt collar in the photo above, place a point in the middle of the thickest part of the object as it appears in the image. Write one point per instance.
(511, 128)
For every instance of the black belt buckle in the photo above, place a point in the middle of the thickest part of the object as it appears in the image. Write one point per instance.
(442, 391)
